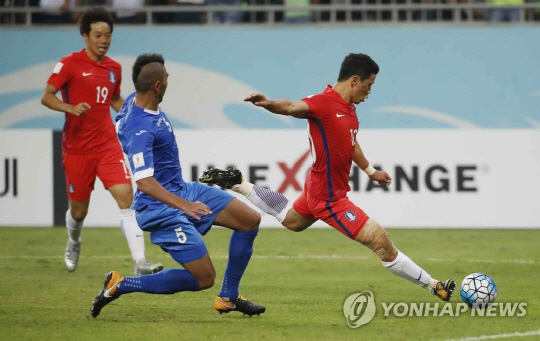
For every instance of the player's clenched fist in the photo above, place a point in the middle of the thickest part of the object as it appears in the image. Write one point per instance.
(381, 177)
(80, 109)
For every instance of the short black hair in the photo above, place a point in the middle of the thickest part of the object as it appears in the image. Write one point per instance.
(141, 61)
(357, 64)
(92, 16)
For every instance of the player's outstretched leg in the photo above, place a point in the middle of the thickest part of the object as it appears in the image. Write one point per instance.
(166, 282)
(376, 238)
(273, 203)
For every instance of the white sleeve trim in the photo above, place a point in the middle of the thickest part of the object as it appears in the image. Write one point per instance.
(145, 173)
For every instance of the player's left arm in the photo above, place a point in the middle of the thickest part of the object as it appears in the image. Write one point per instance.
(116, 102)
(381, 177)
(285, 107)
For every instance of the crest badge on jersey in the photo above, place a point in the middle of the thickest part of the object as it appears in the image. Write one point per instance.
(112, 76)
(350, 216)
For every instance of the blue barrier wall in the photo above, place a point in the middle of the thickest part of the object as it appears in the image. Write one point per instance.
(430, 78)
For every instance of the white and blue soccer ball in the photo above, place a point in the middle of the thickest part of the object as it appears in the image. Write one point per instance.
(478, 290)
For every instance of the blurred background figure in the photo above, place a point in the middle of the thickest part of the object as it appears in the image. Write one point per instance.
(505, 13)
(534, 14)
(129, 16)
(188, 17)
(298, 16)
(229, 16)
(61, 15)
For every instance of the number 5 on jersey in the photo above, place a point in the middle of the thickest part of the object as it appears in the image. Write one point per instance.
(181, 235)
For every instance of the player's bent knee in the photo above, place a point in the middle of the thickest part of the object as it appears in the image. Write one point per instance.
(250, 221)
(375, 237)
(206, 280)
(387, 254)
(79, 213)
(255, 220)
(125, 202)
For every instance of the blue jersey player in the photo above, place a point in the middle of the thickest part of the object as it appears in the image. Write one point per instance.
(176, 213)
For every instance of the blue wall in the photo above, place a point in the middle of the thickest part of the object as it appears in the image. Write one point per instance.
(429, 78)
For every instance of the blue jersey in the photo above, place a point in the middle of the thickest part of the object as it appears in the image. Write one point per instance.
(148, 140)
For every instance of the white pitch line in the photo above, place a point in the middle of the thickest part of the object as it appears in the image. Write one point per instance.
(468, 260)
(293, 257)
(499, 336)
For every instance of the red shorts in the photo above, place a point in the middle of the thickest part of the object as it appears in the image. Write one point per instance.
(81, 171)
(342, 214)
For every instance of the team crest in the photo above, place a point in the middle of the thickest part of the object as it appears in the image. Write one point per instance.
(350, 216)
(112, 76)
(71, 188)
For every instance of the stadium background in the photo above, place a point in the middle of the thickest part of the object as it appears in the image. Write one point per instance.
(453, 116)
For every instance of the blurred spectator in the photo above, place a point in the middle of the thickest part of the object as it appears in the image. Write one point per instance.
(227, 17)
(262, 17)
(12, 18)
(161, 17)
(505, 14)
(534, 14)
(130, 16)
(188, 17)
(298, 16)
(62, 14)
(447, 14)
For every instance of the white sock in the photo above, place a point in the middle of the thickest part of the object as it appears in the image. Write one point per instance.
(404, 267)
(133, 233)
(73, 227)
(273, 203)
(244, 188)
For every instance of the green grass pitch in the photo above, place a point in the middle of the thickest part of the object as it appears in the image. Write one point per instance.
(301, 278)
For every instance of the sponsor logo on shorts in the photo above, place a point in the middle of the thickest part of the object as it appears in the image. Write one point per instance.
(350, 216)
(71, 188)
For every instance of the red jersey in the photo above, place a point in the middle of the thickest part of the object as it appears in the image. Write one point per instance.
(332, 126)
(83, 80)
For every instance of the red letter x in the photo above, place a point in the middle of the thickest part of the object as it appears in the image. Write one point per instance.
(290, 179)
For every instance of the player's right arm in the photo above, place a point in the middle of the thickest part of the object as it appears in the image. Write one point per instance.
(62, 75)
(139, 149)
(152, 188)
(298, 109)
(50, 100)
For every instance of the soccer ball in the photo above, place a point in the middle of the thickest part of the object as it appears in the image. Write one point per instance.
(478, 290)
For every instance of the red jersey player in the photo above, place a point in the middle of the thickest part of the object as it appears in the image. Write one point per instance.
(333, 126)
(90, 84)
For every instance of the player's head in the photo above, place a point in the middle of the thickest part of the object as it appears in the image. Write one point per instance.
(359, 71)
(96, 27)
(149, 75)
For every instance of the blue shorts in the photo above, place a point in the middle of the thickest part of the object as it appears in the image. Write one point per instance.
(177, 233)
